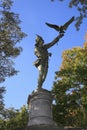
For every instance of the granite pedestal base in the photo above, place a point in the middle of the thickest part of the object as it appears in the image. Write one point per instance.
(44, 127)
(40, 112)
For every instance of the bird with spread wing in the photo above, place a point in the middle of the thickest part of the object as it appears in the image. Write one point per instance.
(61, 28)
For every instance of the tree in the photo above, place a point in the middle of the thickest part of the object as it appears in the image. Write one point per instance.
(81, 6)
(70, 88)
(10, 35)
(14, 119)
(2, 91)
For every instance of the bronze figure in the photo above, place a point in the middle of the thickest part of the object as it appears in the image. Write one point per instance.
(41, 51)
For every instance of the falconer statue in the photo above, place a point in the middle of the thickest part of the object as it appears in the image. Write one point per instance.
(41, 52)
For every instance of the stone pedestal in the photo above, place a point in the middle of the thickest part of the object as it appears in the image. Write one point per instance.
(44, 127)
(40, 111)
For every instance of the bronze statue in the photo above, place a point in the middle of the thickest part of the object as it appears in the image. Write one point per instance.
(41, 51)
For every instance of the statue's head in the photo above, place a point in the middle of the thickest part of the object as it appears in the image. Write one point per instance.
(39, 40)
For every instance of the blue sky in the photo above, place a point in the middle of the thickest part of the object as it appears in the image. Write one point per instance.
(34, 14)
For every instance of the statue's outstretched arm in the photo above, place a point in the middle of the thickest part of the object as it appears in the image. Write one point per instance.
(54, 41)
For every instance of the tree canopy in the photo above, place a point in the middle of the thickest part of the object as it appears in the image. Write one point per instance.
(2, 91)
(70, 88)
(10, 35)
(14, 119)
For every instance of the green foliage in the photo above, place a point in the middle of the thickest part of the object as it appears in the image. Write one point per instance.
(10, 35)
(70, 88)
(2, 91)
(81, 6)
(14, 119)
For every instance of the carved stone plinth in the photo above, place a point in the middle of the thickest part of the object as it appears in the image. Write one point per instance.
(40, 112)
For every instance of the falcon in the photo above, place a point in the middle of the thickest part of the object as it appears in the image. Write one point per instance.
(61, 28)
